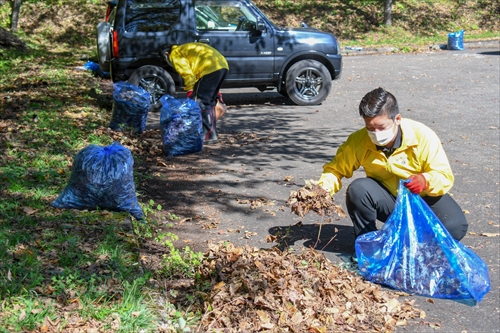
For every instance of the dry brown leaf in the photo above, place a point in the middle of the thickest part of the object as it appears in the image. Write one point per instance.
(29, 211)
(219, 285)
(271, 238)
(401, 322)
(490, 234)
(22, 315)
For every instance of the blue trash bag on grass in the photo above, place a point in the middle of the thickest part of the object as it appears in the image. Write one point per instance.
(456, 41)
(101, 178)
(130, 107)
(96, 69)
(413, 252)
(180, 126)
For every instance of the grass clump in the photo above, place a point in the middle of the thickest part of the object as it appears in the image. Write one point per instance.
(60, 269)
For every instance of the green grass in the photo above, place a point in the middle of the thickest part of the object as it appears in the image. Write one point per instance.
(65, 261)
(54, 261)
(400, 38)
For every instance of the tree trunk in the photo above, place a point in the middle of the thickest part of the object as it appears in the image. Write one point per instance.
(8, 40)
(388, 12)
(15, 15)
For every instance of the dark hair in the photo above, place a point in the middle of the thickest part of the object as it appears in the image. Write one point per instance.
(379, 102)
(166, 48)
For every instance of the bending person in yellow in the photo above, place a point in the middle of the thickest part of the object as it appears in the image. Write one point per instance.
(203, 70)
(390, 148)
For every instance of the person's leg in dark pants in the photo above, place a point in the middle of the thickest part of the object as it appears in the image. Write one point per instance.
(450, 214)
(368, 200)
(206, 88)
(205, 93)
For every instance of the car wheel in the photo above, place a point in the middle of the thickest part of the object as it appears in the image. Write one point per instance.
(103, 47)
(308, 82)
(156, 81)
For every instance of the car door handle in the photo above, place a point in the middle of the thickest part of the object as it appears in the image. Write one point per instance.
(204, 40)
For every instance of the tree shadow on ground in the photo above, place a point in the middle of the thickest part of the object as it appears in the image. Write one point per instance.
(331, 237)
(490, 53)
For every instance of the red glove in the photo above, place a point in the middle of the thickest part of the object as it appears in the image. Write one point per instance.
(219, 97)
(416, 184)
(189, 94)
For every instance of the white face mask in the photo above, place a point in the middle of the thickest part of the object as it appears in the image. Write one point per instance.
(382, 138)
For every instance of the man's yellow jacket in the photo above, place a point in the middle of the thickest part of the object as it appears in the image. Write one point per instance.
(420, 152)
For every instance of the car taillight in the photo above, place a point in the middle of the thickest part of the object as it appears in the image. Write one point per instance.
(115, 44)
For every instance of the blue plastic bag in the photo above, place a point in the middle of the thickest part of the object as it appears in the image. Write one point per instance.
(180, 126)
(101, 178)
(456, 41)
(130, 107)
(94, 67)
(414, 252)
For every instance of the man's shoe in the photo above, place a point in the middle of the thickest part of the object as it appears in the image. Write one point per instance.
(354, 258)
(209, 125)
(210, 141)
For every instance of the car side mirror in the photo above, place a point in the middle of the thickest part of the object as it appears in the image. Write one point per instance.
(260, 25)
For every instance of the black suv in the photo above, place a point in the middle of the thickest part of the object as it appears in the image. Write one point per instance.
(299, 62)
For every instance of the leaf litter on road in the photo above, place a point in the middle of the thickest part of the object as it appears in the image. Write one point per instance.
(314, 198)
(256, 290)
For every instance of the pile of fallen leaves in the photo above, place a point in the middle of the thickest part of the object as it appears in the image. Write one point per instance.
(313, 197)
(255, 290)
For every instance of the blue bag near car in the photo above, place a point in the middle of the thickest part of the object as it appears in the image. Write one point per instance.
(94, 67)
(180, 126)
(413, 252)
(130, 107)
(456, 41)
(101, 178)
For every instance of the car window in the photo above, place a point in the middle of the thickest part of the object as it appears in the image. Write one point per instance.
(149, 16)
(223, 16)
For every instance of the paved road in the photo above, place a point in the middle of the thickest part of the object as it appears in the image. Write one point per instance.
(454, 92)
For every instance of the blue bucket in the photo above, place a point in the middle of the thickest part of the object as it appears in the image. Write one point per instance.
(456, 41)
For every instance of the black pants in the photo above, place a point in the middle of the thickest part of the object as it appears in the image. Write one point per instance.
(206, 88)
(367, 200)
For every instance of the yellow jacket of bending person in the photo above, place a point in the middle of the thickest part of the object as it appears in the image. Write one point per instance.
(420, 152)
(194, 60)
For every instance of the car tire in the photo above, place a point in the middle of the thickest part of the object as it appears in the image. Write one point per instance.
(308, 82)
(156, 81)
(103, 47)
